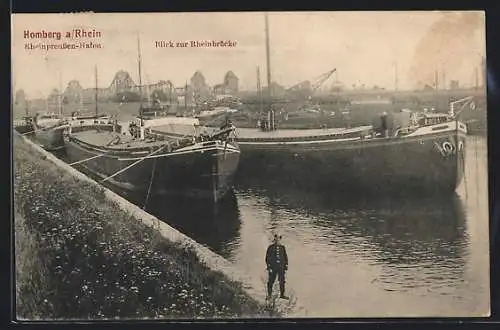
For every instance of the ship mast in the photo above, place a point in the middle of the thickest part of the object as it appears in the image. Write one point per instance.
(170, 94)
(185, 95)
(59, 98)
(337, 90)
(140, 77)
(268, 57)
(436, 81)
(96, 96)
(270, 113)
(259, 89)
(148, 90)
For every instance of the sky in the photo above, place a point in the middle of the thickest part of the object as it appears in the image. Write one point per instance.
(364, 47)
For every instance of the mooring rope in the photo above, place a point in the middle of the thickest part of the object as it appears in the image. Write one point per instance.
(87, 159)
(29, 132)
(135, 163)
(150, 184)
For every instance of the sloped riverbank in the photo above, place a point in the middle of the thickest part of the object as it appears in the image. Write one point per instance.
(80, 256)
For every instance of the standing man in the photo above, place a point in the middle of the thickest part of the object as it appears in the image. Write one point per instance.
(277, 265)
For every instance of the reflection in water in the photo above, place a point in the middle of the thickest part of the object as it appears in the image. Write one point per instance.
(398, 234)
(375, 255)
(354, 255)
(428, 235)
(214, 225)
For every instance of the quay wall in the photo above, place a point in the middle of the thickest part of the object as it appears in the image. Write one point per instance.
(252, 286)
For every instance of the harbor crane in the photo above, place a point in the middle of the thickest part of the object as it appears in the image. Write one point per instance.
(305, 90)
(311, 87)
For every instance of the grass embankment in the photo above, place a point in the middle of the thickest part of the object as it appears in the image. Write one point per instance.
(80, 256)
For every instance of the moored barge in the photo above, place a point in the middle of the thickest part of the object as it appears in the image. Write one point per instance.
(200, 169)
(132, 158)
(430, 157)
(414, 152)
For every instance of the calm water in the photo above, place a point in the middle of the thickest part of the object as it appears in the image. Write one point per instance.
(355, 257)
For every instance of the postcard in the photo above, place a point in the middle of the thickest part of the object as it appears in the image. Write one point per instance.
(236, 165)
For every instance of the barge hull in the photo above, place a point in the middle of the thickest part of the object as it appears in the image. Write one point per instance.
(407, 164)
(200, 171)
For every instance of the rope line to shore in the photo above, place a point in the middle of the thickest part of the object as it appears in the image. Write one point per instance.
(86, 159)
(133, 164)
(150, 184)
